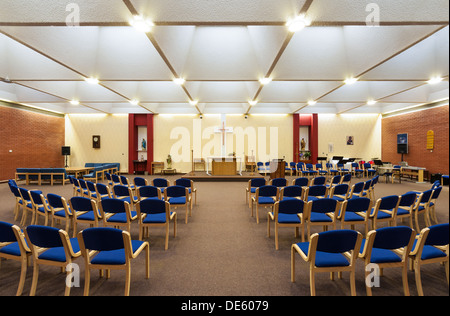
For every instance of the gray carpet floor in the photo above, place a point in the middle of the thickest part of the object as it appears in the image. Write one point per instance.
(221, 252)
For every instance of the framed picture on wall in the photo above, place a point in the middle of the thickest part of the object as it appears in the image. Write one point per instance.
(350, 140)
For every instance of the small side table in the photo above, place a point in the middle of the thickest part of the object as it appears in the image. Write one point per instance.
(169, 171)
(156, 165)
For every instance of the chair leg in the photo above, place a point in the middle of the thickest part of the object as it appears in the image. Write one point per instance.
(312, 282)
(128, 280)
(352, 283)
(276, 236)
(23, 274)
(292, 264)
(405, 279)
(166, 245)
(35, 279)
(87, 281)
(418, 278)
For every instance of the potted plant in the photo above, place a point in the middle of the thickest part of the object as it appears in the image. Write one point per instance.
(169, 162)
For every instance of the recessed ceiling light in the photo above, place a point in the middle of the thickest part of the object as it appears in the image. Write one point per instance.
(75, 102)
(371, 102)
(91, 80)
(253, 102)
(351, 80)
(298, 23)
(179, 81)
(312, 102)
(435, 80)
(141, 24)
(193, 102)
(265, 81)
(134, 101)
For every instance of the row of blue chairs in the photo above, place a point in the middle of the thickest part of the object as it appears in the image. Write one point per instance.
(313, 170)
(338, 251)
(101, 247)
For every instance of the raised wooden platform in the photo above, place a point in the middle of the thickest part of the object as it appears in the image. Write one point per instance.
(202, 176)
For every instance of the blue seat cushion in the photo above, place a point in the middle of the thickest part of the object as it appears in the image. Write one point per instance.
(353, 217)
(265, 200)
(380, 255)
(429, 252)
(252, 190)
(401, 211)
(320, 217)
(89, 216)
(325, 259)
(288, 218)
(114, 257)
(58, 254)
(155, 218)
(120, 217)
(11, 249)
(380, 215)
(177, 200)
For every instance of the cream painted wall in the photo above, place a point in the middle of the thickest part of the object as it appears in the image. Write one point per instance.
(365, 129)
(268, 137)
(113, 130)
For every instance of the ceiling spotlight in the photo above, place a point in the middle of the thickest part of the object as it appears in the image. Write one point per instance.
(253, 102)
(298, 23)
(312, 102)
(265, 81)
(350, 80)
(91, 80)
(134, 101)
(435, 80)
(75, 102)
(371, 102)
(179, 81)
(193, 102)
(141, 24)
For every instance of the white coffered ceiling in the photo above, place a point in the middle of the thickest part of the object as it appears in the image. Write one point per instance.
(222, 48)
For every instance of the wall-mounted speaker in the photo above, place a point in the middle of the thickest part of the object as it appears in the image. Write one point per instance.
(96, 141)
(65, 151)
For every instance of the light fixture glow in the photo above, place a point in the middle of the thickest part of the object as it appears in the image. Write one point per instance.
(179, 81)
(351, 80)
(91, 80)
(141, 24)
(193, 102)
(265, 81)
(75, 102)
(371, 102)
(312, 102)
(298, 23)
(134, 102)
(435, 80)
(253, 102)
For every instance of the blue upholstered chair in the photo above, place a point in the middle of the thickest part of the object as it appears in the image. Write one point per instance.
(315, 192)
(187, 183)
(14, 247)
(18, 198)
(321, 170)
(406, 207)
(356, 190)
(85, 211)
(372, 186)
(155, 213)
(59, 250)
(386, 248)
(320, 180)
(342, 169)
(115, 179)
(40, 206)
(300, 169)
(292, 192)
(148, 192)
(302, 182)
(91, 190)
(251, 188)
(278, 182)
(346, 178)
(287, 213)
(365, 192)
(178, 196)
(140, 182)
(117, 213)
(335, 180)
(102, 191)
(124, 192)
(124, 180)
(432, 209)
(339, 192)
(385, 210)
(109, 178)
(309, 170)
(161, 183)
(368, 170)
(332, 170)
(265, 196)
(431, 246)
(356, 211)
(60, 210)
(113, 250)
(331, 251)
(84, 191)
(356, 171)
(322, 212)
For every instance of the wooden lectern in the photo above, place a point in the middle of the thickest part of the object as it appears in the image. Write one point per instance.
(277, 168)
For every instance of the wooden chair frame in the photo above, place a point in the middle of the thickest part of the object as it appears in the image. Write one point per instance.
(255, 200)
(186, 204)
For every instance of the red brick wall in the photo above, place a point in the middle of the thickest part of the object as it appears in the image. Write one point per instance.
(35, 140)
(417, 124)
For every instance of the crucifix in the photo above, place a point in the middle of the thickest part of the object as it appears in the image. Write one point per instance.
(224, 131)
